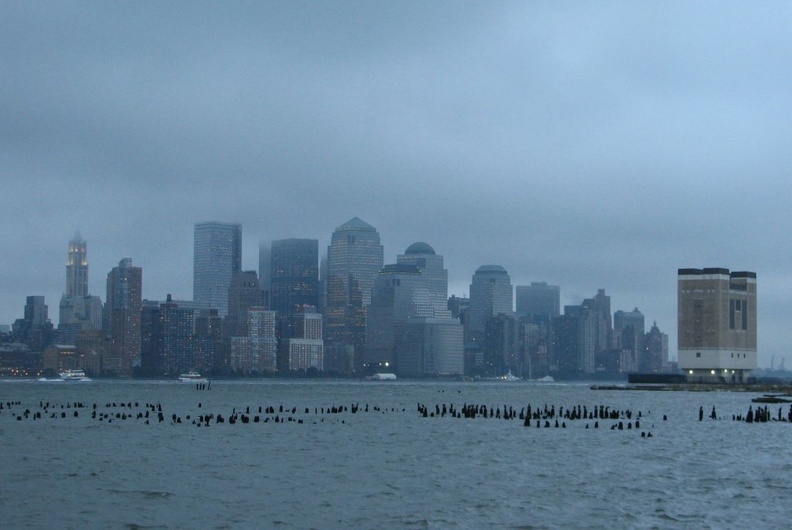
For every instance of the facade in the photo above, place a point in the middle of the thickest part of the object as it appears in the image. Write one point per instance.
(217, 257)
(256, 353)
(431, 347)
(294, 273)
(244, 292)
(435, 275)
(490, 293)
(540, 300)
(123, 311)
(354, 258)
(305, 349)
(399, 293)
(716, 319)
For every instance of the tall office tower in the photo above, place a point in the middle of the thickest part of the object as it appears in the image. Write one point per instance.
(124, 300)
(306, 347)
(265, 272)
(244, 292)
(78, 310)
(435, 276)
(716, 322)
(490, 294)
(399, 293)
(34, 329)
(656, 346)
(628, 340)
(294, 276)
(354, 258)
(217, 256)
(540, 300)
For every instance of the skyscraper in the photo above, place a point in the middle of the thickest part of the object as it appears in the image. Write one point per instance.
(399, 294)
(354, 258)
(123, 308)
(217, 256)
(490, 293)
(77, 267)
(294, 276)
(628, 339)
(78, 310)
(434, 274)
(716, 324)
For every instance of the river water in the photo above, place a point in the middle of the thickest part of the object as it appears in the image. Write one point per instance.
(385, 465)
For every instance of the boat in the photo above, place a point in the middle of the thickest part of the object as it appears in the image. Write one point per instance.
(192, 377)
(74, 375)
(383, 377)
(509, 377)
(546, 379)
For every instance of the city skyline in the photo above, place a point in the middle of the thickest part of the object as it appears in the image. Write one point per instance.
(589, 147)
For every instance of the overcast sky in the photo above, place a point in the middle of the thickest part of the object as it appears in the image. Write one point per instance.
(589, 145)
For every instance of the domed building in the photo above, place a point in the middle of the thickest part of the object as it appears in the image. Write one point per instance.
(435, 276)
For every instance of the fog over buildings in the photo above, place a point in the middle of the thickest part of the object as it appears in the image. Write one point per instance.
(586, 146)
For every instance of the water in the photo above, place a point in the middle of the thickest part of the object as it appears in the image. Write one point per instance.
(386, 468)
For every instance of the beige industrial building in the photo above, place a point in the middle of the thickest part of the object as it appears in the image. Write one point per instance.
(716, 324)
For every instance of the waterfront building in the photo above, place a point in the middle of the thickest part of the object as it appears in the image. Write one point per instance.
(217, 257)
(716, 324)
(539, 300)
(123, 311)
(431, 347)
(354, 258)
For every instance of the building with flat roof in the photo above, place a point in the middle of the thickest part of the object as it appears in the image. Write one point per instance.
(716, 321)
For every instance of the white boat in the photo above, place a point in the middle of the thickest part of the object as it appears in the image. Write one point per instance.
(192, 377)
(509, 377)
(383, 377)
(546, 379)
(74, 375)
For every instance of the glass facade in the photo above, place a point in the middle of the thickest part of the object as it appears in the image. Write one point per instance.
(354, 258)
(294, 271)
(217, 257)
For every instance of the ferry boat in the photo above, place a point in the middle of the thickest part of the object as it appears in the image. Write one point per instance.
(74, 375)
(192, 377)
(510, 377)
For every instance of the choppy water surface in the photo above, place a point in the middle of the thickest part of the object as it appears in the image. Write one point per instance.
(388, 467)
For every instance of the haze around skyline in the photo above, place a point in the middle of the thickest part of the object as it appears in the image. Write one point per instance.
(588, 146)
